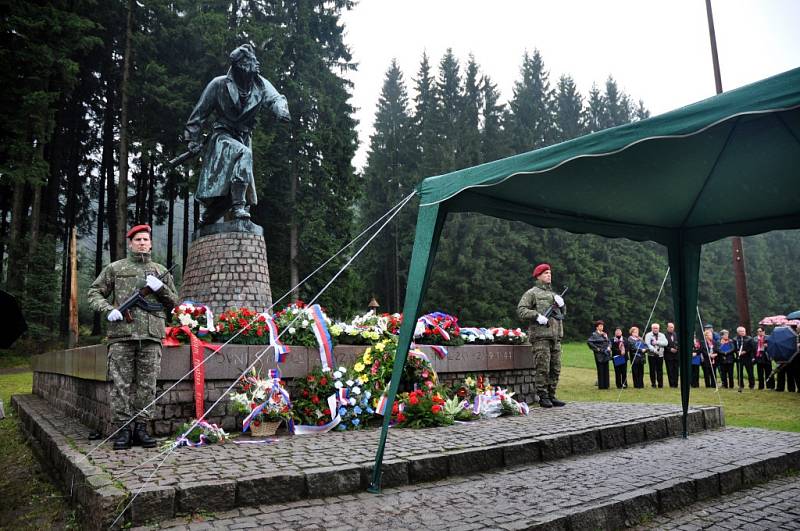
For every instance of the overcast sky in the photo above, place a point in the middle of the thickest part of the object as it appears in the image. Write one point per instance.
(657, 51)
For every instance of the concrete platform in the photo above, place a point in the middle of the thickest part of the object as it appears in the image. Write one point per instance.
(222, 478)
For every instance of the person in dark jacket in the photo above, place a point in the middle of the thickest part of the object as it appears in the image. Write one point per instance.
(726, 357)
(618, 352)
(671, 355)
(697, 360)
(637, 351)
(745, 351)
(763, 363)
(709, 357)
(601, 347)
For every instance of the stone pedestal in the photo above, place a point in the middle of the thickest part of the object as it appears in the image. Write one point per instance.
(227, 267)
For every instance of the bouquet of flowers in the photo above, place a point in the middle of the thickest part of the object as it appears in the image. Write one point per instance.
(476, 336)
(508, 336)
(197, 317)
(310, 398)
(355, 407)
(438, 328)
(421, 408)
(489, 401)
(366, 329)
(298, 321)
(203, 433)
(374, 368)
(268, 395)
(251, 324)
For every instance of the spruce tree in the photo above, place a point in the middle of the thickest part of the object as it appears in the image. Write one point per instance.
(569, 110)
(530, 124)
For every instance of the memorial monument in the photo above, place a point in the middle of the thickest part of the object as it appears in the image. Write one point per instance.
(227, 261)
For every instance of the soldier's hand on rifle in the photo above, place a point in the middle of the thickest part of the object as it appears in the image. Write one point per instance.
(114, 315)
(541, 319)
(195, 147)
(154, 283)
(559, 300)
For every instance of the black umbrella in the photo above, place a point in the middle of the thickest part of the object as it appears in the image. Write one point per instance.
(14, 324)
(782, 344)
(794, 315)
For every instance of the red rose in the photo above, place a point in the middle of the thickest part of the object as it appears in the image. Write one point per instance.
(310, 378)
(259, 332)
(413, 400)
(305, 393)
(326, 411)
(320, 422)
(323, 381)
(315, 399)
(401, 417)
(436, 408)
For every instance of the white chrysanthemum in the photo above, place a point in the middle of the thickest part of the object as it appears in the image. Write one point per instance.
(292, 330)
(337, 374)
(356, 390)
(338, 385)
(304, 323)
(350, 383)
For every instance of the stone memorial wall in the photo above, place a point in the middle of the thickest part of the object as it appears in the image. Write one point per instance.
(75, 381)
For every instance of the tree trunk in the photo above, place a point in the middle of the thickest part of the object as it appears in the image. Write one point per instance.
(16, 257)
(3, 232)
(185, 241)
(170, 218)
(101, 214)
(74, 326)
(122, 187)
(151, 192)
(294, 276)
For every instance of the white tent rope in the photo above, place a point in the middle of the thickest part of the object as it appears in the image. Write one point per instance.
(619, 396)
(258, 357)
(253, 320)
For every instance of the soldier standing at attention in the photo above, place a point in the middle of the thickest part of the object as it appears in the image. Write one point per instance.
(134, 348)
(545, 334)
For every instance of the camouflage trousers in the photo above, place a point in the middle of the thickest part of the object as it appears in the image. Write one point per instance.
(546, 366)
(133, 367)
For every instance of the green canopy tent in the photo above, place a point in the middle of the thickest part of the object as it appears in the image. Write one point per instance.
(728, 165)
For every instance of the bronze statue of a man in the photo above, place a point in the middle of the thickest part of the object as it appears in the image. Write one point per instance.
(226, 180)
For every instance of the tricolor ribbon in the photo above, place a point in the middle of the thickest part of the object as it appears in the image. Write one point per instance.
(439, 350)
(380, 409)
(323, 338)
(304, 429)
(428, 320)
(275, 388)
(417, 353)
(278, 346)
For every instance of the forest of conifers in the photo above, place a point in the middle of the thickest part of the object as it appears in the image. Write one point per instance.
(96, 95)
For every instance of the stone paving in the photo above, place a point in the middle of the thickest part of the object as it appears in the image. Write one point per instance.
(773, 505)
(607, 490)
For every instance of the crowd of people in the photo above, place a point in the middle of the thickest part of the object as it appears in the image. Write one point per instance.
(723, 360)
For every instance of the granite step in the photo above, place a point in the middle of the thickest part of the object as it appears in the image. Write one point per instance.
(222, 477)
(616, 489)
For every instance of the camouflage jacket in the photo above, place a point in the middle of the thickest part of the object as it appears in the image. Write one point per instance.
(534, 302)
(117, 282)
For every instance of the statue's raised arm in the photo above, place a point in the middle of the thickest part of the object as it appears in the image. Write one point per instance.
(233, 100)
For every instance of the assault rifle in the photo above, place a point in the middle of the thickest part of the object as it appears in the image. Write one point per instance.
(555, 309)
(137, 299)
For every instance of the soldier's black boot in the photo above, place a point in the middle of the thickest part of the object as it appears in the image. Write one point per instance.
(140, 437)
(123, 440)
(556, 402)
(545, 402)
(238, 192)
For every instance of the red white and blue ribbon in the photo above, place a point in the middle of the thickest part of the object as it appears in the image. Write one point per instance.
(303, 429)
(380, 409)
(417, 353)
(323, 338)
(275, 388)
(439, 350)
(428, 320)
(280, 348)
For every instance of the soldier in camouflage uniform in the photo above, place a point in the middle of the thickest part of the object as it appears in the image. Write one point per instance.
(134, 349)
(544, 334)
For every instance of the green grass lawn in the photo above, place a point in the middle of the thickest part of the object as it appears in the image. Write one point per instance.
(30, 500)
(759, 409)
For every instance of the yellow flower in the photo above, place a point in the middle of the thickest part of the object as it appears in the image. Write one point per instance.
(359, 367)
(380, 346)
(367, 359)
(469, 381)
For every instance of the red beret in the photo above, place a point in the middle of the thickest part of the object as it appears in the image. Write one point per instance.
(539, 269)
(137, 229)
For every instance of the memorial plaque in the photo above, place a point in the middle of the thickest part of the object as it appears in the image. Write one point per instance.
(500, 357)
(296, 363)
(347, 354)
(467, 359)
(101, 363)
(439, 364)
(229, 362)
(84, 362)
(175, 362)
(523, 357)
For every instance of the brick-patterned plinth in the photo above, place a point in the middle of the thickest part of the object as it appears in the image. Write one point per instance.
(227, 270)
